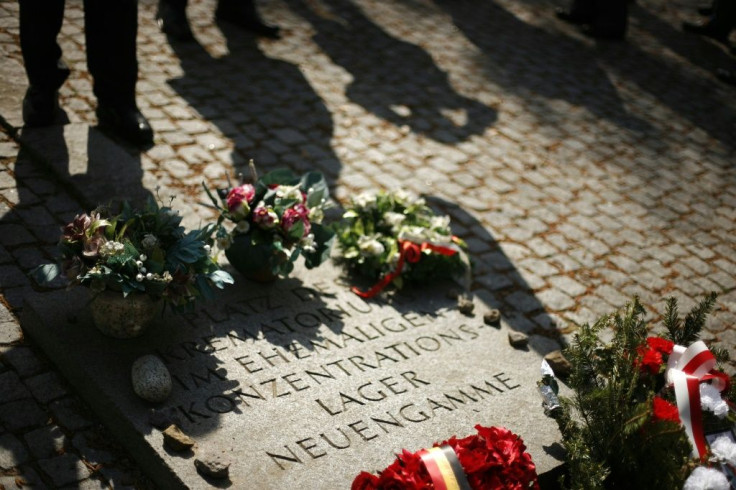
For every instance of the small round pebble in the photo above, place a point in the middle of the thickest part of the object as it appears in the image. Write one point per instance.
(518, 339)
(465, 304)
(151, 379)
(492, 317)
(213, 465)
(176, 440)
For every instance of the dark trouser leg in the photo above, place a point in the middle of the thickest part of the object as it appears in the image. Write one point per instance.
(172, 19)
(584, 10)
(243, 13)
(180, 5)
(611, 19)
(110, 34)
(40, 23)
(724, 16)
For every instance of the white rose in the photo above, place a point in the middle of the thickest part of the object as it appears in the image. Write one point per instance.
(439, 222)
(289, 192)
(394, 220)
(365, 200)
(316, 215)
(370, 246)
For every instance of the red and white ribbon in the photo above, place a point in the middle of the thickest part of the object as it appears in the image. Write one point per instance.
(686, 369)
(408, 252)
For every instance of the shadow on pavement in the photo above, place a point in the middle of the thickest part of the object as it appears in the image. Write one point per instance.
(53, 164)
(393, 79)
(260, 95)
(499, 279)
(692, 97)
(528, 60)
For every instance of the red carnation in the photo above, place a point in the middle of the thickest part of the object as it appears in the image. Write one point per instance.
(664, 410)
(661, 345)
(365, 481)
(652, 354)
(494, 458)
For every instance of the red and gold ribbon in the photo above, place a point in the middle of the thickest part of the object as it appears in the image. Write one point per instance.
(444, 468)
(408, 252)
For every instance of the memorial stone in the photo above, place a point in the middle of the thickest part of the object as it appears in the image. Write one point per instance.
(302, 384)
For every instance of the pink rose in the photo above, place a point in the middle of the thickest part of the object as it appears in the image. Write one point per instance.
(265, 217)
(293, 215)
(239, 200)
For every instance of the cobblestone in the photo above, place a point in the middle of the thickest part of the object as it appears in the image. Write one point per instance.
(64, 469)
(46, 442)
(21, 414)
(580, 173)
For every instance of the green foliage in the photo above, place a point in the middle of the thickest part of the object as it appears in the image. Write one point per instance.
(609, 432)
(143, 250)
(374, 224)
(272, 221)
(687, 332)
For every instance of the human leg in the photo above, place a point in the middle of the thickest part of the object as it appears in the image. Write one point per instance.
(243, 13)
(40, 23)
(110, 30)
(172, 19)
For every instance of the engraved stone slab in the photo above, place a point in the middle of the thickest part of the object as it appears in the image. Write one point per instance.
(302, 384)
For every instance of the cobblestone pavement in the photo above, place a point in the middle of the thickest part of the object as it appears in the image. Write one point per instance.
(581, 173)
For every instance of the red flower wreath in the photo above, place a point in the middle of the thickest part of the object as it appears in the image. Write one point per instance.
(495, 458)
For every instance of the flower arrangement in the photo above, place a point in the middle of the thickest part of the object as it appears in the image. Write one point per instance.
(138, 251)
(494, 458)
(395, 236)
(272, 220)
(645, 408)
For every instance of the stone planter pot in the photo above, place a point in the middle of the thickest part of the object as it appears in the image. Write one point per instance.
(252, 261)
(124, 317)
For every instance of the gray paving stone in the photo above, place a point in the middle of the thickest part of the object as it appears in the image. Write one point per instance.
(12, 387)
(46, 387)
(555, 300)
(12, 452)
(14, 235)
(46, 442)
(22, 359)
(68, 412)
(64, 469)
(10, 332)
(567, 285)
(26, 478)
(93, 448)
(21, 414)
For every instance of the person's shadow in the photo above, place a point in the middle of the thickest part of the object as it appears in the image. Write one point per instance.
(683, 91)
(93, 168)
(532, 62)
(265, 105)
(498, 283)
(393, 79)
(59, 171)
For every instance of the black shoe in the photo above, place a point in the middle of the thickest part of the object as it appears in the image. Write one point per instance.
(706, 29)
(126, 122)
(243, 14)
(40, 106)
(173, 22)
(571, 17)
